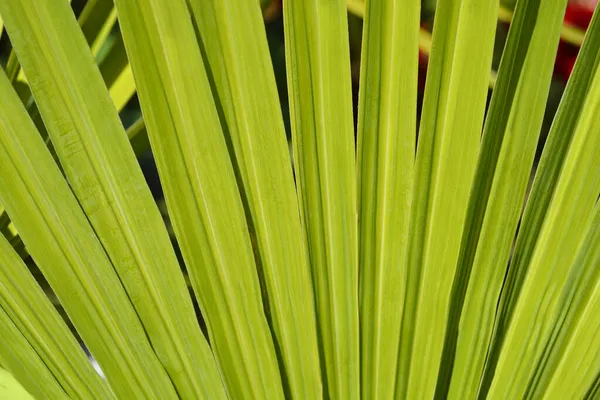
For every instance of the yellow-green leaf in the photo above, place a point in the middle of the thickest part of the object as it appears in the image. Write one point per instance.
(548, 172)
(96, 20)
(95, 154)
(201, 192)
(64, 246)
(21, 358)
(138, 136)
(448, 144)
(10, 389)
(569, 33)
(28, 308)
(116, 72)
(319, 85)
(233, 41)
(509, 144)
(571, 360)
(561, 232)
(387, 121)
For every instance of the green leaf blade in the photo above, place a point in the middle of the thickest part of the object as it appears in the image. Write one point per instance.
(23, 301)
(65, 248)
(386, 152)
(573, 341)
(201, 191)
(318, 61)
(103, 171)
(21, 358)
(583, 351)
(233, 41)
(544, 187)
(508, 148)
(576, 192)
(93, 20)
(453, 109)
(10, 388)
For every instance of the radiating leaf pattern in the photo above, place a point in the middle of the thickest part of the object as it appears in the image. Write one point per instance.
(64, 246)
(110, 187)
(201, 192)
(235, 50)
(509, 144)
(449, 133)
(386, 154)
(24, 308)
(425, 252)
(324, 155)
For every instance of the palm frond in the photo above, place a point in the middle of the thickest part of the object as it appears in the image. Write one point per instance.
(449, 135)
(10, 387)
(36, 340)
(569, 33)
(233, 42)
(571, 195)
(387, 123)
(552, 163)
(318, 60)
(201, 192)
(61, 240)
(574, 341)
(508, 149)
(444, 260)
(102, 170)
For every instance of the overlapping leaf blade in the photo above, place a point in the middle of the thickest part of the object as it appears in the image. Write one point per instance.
(117, 75)
(571, 356)
(20, 357)
(318, 68)
(544, 187)
(10, 388)
(28, 308)
(102, 170)
(201, 192)
(213, 120)
(560, 235)
(65, 248)
(118, 79)
(233, 41)
(569, 33)
(386, 152)
(96, 20)
(509, 144)
(138, 136)
(448, 144)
